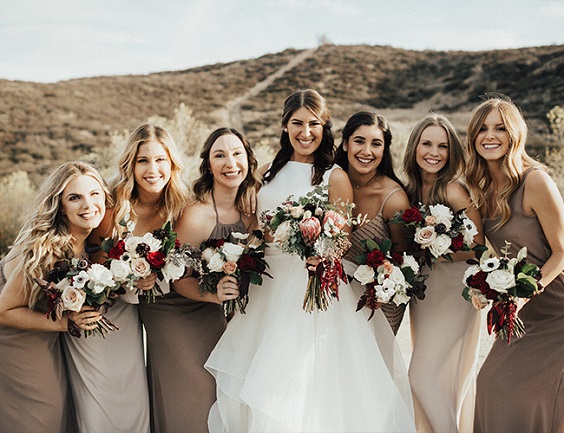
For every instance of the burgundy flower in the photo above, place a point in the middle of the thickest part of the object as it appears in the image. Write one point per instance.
(375, 258)
(117, 250)
(156, 259)
(397, 257)
(246, 263)
(411, 215)
(478, 281)
(457, 243)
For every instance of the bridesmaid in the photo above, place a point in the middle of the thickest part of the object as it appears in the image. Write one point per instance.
(183, 328)
(520, 386)
(364, 153)
(33, 383)
(114, 395)
(444, 327)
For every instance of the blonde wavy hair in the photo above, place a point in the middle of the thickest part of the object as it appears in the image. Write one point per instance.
(452, 170)
(176, 192)
(45, 237)
(514, 164)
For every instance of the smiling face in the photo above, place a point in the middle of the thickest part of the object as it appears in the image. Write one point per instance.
(152, 167)
(432, 150)
(83, 201)
(305, 131)
(365, 149)
(229, 163)
(492, 141)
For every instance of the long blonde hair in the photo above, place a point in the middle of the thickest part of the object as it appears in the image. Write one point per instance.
(45, 237)
(514, 164)
(452, 170)
(124, 188)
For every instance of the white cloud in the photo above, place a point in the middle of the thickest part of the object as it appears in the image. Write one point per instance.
(553, 9)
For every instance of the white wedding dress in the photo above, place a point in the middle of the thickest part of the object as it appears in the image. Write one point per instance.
(280, 369)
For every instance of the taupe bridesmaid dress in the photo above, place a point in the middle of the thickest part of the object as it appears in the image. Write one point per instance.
(520, 386)
(34, 396)
(181, 333)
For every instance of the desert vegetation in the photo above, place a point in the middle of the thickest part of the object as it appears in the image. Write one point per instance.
(42, 125)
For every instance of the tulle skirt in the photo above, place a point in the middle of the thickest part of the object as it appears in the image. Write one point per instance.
(280, 369)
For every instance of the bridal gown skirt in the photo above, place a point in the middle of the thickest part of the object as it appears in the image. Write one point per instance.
(280, 369)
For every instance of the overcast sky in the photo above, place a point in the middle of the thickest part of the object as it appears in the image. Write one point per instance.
(51, 40)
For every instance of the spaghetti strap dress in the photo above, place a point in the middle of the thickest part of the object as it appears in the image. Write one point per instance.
(34, 395)
(281, 369)
(377, 230)
(445, 332)
(521, 385)
(181, 334)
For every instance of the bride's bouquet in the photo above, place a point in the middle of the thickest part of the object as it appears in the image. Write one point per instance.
(438, 231)
(388, 276)
(134, 257)
(502, 281)
(77, 282)
(243, 259)
(313, 226)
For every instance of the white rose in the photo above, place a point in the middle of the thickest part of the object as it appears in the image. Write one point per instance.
(470, 231)
(283, 232)
(440, 245)
(400, 297)
(120, 270)
(441, 211)
(73, 298)
(216, 263)
(500, 280)
(208, 253)
(425, 236)
(63, 284)
(490, 264)
(238, 235)
(172, 271)
(385, 291)
(100, 278)
(472, 270)
(80, 280)
(140, 267)
(231, 251)
(411, 262)
(297, 211)
(364, 274)
(397, 277)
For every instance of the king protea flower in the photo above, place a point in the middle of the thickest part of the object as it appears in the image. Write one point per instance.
(336, 218)
(310, 229)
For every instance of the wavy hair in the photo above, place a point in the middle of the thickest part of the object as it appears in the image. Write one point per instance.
(354, 122)
(203, 186)
(45, 238)
(453, 169)
(323, 156)
(514, 164)
(176, 192)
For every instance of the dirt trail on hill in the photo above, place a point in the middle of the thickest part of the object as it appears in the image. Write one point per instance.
(232, 111)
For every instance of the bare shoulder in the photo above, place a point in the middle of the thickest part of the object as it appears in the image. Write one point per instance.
(539, 181)
(338, 175)
(458, 196)
(196, 222)
(540, 190)
(263, 169)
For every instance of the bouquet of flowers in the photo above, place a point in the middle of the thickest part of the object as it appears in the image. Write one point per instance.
(388, 276)
(73, 283)
(312, 226)
(438, 231)
(243, 259)
(503, 281)
(134, 257)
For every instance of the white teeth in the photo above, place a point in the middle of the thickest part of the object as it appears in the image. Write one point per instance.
(305, 142)
(432, 161)
(365, 161)
(152, 179)
(491, 146)
(235, 174)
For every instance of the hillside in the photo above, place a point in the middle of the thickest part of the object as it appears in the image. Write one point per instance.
(43, 124)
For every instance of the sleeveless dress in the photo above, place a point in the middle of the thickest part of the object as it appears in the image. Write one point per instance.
(445, 331)
(377, 229)
(520, 386)
(280, 369)
(181, 333)
(108, 376)
(34, 396)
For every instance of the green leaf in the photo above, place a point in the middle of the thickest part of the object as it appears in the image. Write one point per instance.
(361, 259)
(107, 245)
(466, 294)
(372, 245)
(526, 286)
(386, 246)
(529, 269)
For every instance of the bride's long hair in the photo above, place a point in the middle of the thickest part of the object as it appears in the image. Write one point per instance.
(45, 237)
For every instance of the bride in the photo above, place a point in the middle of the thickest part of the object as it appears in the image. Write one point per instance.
(280, 369)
